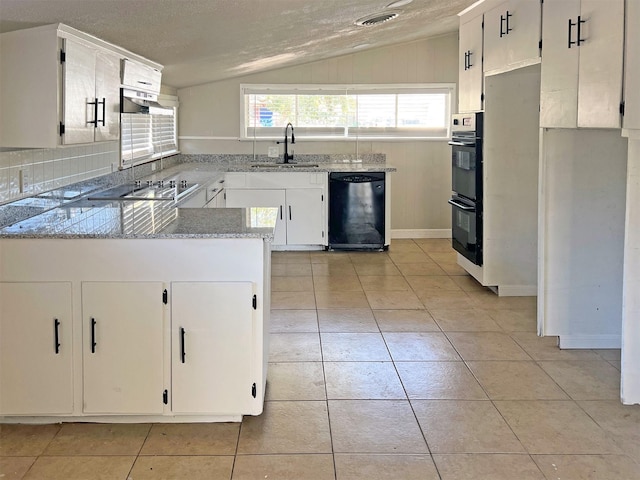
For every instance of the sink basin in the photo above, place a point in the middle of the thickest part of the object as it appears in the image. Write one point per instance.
(283, 165)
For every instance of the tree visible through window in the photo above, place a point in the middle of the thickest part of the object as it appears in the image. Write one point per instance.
(344, 112)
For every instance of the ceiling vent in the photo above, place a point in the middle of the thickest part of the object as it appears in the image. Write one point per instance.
(376, 18)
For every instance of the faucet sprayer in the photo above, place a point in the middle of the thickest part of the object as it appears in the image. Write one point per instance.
(288, 157)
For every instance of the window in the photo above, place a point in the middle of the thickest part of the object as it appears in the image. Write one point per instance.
(415, 111)
(144, 137)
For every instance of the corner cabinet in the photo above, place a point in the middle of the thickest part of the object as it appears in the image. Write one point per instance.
(512, 35)
(582, 47)
(470, 64)
(299, 198)
(36, 353)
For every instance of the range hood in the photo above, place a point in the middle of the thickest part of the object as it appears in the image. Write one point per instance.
(136, 101)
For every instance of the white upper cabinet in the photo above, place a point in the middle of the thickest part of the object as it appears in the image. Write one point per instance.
(582, 51)
(512, 35)
(470, 64)
(632, 67)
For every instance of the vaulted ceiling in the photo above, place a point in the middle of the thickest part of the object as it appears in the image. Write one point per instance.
(200, 41)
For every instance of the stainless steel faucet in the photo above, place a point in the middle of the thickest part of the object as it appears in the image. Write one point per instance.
(288, 158)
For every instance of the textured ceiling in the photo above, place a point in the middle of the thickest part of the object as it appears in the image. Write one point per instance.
(199, 41)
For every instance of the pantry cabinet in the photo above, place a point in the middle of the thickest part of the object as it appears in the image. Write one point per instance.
(581, 77)
(36, 348)
(512, 35)
(470, 64)
(122, 347)
(212, 330)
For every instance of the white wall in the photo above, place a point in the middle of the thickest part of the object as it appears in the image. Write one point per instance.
(422, 184)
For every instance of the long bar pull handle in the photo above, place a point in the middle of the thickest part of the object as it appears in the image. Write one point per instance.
(466, 59)
(289, 212)
(104, 111)
(95, 113)
(280, 212)
(183, 354)
(469, 64)
(569, 41)
(56, 335)
(579, 33)
(501, 23)
(93, 335)
(507, 30)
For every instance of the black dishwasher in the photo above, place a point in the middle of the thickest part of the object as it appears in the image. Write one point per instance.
(356, 211)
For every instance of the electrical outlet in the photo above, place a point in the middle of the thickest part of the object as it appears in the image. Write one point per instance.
(273, 152)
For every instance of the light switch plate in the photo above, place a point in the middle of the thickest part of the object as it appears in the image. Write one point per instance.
(273, 152)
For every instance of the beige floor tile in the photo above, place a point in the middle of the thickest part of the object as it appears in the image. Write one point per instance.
(555, 427)
(462, 426)
(401, 245)
(327, 300)
(81, 468)
(293, 301)
(287, 428)
(384, 283)
(291, 269)
(516, 381)
(420, 347)
(375, 426)
(329, 257)
(452, 268)
(14, 468)
(370, 258)
(295, 381)
(410, 257)
(98, 439)
(192, 439)
(439, 381)
(444, 255)
(422, 269)
(336, 283)
(610, 355)
(365, 269)
(294, 347)
(465, 320)
(486, 346)
(354, 347)
(546, 348)
(292, 284)
(284, 467)
(294, 321)
(26, 440)
(585, 380)
(434, 245)
(435, 300)
(290, 257)
(385, 467)
(393, 300)
(174, 468)
(405, 321)
(621, 422)
(363, 381)
(591, 467)
(432, 283)
(515, 320)
(468, 283)
(487, 466)
(347, 320)
(488, 299)
(333, 268)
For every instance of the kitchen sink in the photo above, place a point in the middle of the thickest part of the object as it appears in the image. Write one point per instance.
(277, 166)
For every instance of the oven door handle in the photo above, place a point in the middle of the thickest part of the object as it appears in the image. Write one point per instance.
(462, 144)
(461, 206)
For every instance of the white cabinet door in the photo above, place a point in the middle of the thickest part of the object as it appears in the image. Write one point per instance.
(304, 216)
(470, 67)
(122, 332)
(582, 44)
(262, 198)
(512, 34)
(108, 95)
(632, 68)
(80, 107)
(35, 349)
(212, 347)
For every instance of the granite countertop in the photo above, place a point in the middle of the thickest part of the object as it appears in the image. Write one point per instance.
(65, 212)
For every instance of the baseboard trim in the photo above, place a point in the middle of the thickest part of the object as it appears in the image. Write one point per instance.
(517, 290)
(590, 341)
(421, 233)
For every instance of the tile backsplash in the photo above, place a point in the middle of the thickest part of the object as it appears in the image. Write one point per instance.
(27, 172)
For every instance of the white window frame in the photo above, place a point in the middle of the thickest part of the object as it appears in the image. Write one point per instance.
(339, 89)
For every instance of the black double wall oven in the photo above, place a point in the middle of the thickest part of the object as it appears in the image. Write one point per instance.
(466, 184)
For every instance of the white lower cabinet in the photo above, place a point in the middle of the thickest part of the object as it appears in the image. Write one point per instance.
(122, 334)
(212, 337)
(36, 375)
